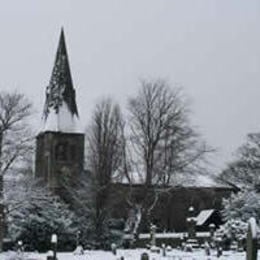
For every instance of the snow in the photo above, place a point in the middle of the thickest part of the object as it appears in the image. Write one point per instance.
(198, 180)
(242, 206)
(62, 121)
(168, 235)
(135, 255)
(135, 178)
(203, 216)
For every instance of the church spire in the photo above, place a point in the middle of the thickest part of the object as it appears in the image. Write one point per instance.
(60, 110)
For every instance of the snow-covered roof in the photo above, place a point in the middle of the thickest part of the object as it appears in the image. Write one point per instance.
(197, 180)
(203, 216)
(62, 121)
(167, 235)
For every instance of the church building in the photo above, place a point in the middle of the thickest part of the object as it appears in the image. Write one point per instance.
(60, 151)
(60, 143)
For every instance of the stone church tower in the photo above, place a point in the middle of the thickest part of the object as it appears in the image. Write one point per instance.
(60, 144)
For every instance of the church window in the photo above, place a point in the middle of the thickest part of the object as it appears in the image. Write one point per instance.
(61, 153)
(73, 152)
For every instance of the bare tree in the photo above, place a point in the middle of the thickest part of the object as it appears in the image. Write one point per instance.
(164, 144)
(163, 140)
(15, 132)
(105, 141)
(105, 155)
(15, 137)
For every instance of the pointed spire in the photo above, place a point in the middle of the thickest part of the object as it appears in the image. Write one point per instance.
(61, 87)
(60, 92)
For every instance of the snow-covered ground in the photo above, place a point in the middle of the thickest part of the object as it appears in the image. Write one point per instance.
(132, 255)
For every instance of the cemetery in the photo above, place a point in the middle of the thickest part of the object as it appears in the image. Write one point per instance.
(181, 221)
(133, 183)
(191, 247)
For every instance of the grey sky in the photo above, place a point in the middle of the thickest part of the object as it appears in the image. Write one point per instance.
(210, 47)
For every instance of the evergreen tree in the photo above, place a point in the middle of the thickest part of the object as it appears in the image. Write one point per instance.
(232, 230)
(242, 206)
(34, 215)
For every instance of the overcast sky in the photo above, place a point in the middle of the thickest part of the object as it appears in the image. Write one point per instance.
(210, 47)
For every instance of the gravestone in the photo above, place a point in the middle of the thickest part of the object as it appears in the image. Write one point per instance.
(168, 248)
(153, 238)
(251, 243)
(79, 250)
(153, 246)
(50, 255)
(219, 251)
(191, 223)
(207, 248)
(192, 241)
(163, 250)
(212, 228)
(113, 248)
(144, 256)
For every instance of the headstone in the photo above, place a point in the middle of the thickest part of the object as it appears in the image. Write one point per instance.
(153, 238)
(191, 223)
(113, 248)
(79, 250)
(188, 248)
(20, 248)
(153, 246)
(212, 228)
(192, 241)
(50, 255)
(54, 242)
(207, 248)
(219, 251)
(155, 249)
(168, 248)
(183, 245)
(144, 256)
(251, 243)
(163, 250)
